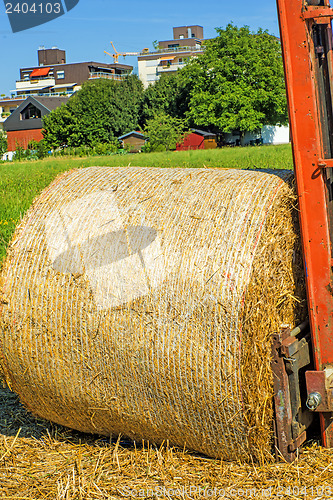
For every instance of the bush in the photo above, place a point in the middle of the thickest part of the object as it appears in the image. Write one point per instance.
(164, 132)
(3, 143)
(105, 148)
(42, 149)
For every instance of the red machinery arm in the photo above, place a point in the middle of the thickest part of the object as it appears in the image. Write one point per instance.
(306, 35)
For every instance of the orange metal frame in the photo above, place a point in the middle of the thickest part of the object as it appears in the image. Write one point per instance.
(299, 19)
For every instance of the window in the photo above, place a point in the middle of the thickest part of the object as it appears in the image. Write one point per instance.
(60, 75)
(30, 112)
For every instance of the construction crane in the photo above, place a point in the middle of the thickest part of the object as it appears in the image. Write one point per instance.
(303, 358)
(124, 54)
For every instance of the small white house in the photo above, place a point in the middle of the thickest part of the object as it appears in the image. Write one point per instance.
(274, 134)
(269, 134)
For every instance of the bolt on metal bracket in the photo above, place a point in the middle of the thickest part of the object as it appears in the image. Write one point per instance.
(319, 386)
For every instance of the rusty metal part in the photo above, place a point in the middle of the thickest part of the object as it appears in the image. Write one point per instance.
(291, 356)
(321, 15)
(306, 36)
(320, 390)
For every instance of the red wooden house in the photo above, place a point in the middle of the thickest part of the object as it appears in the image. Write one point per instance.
(25, 123)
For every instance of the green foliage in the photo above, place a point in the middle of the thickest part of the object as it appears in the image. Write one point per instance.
(163, 132)
(35, 150)
(19, 152)
(59, 127)
(238, 82)
(169, 94)
(42, 149)
(32, 145)
(3, 143)
(98, 113)
(108, 148)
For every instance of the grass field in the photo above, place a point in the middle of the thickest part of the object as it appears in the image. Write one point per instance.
(21, 182)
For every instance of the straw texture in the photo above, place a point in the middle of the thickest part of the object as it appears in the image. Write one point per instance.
(141, 301)
(39, 461)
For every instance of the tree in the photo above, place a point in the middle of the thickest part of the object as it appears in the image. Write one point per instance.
(101, 111)
(164, 132)
(238, 82)
(3, 143)
(168, 95)
(59, 127)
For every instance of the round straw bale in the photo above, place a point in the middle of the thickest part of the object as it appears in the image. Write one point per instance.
(141, 301)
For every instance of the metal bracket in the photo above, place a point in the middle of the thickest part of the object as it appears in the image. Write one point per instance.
(321, 15)
(320, 390)
(326, 163)
(290, 358)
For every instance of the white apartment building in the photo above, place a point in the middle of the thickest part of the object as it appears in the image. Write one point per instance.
(170, 54)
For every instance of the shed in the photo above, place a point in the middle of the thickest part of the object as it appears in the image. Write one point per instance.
(25, 123)
(198, 139)
(133, 140)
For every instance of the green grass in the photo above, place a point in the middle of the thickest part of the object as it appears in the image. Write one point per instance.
(21, 182)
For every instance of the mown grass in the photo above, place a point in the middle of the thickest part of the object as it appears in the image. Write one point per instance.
(21, 182)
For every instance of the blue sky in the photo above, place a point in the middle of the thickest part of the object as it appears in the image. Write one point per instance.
(85, 32)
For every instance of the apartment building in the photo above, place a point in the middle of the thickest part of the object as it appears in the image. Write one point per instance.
(7, 106)
(171, 54)
(54, 76)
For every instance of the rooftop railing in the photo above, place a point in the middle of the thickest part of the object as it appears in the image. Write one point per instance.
(110, 76)
(35, 80)
(7, 98)
(36, 94)
(167, 50)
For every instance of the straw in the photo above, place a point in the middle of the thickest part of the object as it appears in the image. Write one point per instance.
(55, 463)
(147, 309)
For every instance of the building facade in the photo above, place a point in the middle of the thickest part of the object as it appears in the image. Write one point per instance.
(134, 141)
(25, 122)
(7, 106)
(171, 54)
(53, 76)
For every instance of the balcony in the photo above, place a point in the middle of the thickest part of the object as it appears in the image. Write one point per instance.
(110, 76)
(48, 93)
(171, 50)
(6, 98)
(165, 68)
(34, 85)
